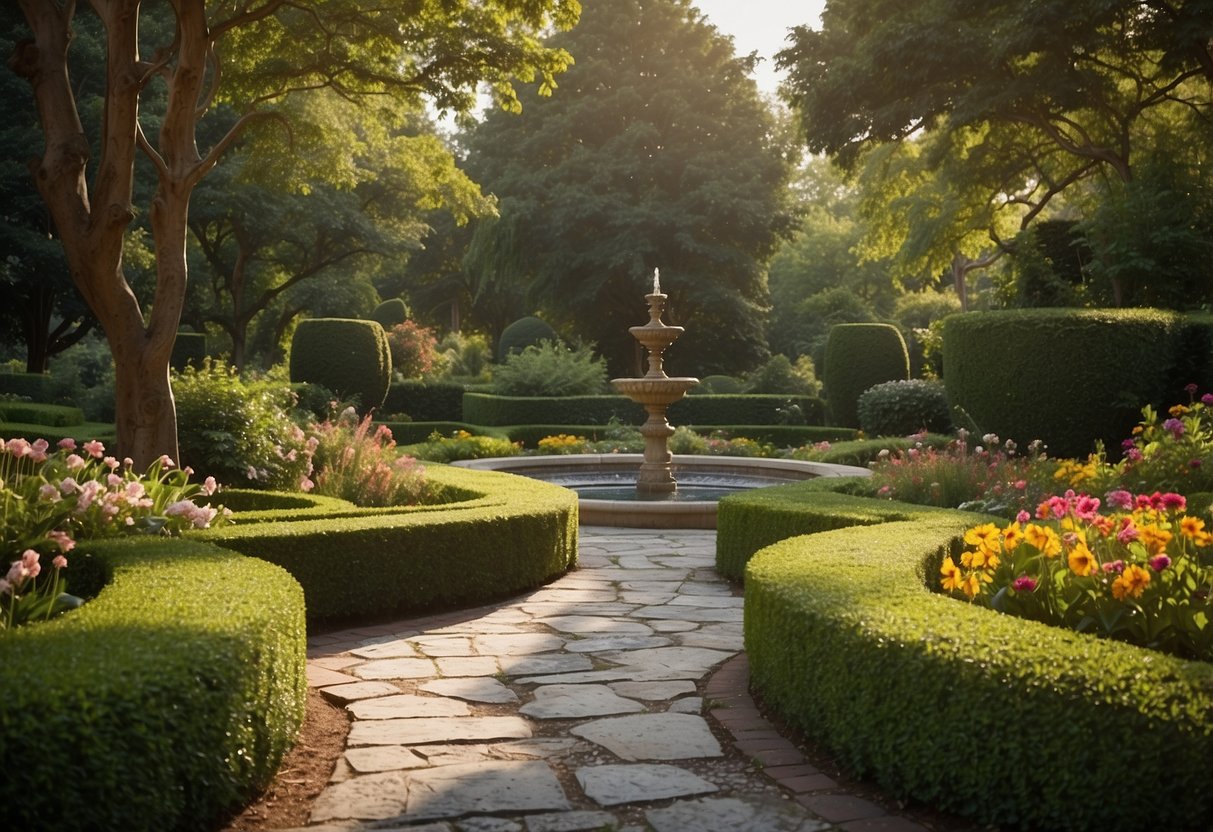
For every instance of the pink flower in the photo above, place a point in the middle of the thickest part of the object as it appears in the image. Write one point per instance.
(1159, 562)
(1020, 485)
(1086, 508)
(1121, 500)
(209, 486)
(18, 448)
(68, 485)
(48, 493)
(60, 562)
(251, 473)
(1024, 583)
(29, 563)
(1174, 502)
(62, 540)
(74, 462)
(1174, 427)
(94, 449)
(306, 485)
(1207, 399)
(166, 461)
(1128, 532)
(38, 450)
(1116, 566)
(67, 443)
(1134, 455)
(110, 462)
(16, 574)
(1190, 388)
(1022, 517)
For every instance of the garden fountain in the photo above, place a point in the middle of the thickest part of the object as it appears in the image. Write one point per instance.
(656, 391)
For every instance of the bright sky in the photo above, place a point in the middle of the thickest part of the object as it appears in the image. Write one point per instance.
(761, 26)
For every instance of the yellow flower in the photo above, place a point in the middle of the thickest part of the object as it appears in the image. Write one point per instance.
(1178, 410)
(971, 586)
(1082, 560)
(1044, 539)
(1155, 539)
(1012, 536)
(983, 537)
(951, 575)
(980, 558)
(1191, 527)
(1131, 583)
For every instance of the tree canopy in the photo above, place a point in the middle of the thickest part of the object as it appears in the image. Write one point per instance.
(656, 152)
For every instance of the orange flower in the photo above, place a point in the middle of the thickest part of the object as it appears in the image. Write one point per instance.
(983, 537)
(952, 577)
(1012, 536)
(1131, 583)
(1042, 538)
(1155, 539)
(1191, 527)
(1082, 560)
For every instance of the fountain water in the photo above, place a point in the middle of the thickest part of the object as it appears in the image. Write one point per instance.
(656, 391)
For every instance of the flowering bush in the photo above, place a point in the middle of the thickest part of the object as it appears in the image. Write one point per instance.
(49, 500)
(717, 443)
(463, 445)
(1175, 453)
(991, 477)
(1142, 573)
(362, 466)
(563, 443)
(414, 349)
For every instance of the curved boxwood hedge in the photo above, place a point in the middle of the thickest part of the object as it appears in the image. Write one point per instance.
(1001, 719)
(51, 415)
(354, 563)
(83, 432)
(1068, 376)
(166, 700)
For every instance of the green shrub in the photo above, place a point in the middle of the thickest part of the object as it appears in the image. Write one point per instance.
(862, 452)
(189, 348)
(901, 408)
(81, 433)
(425, 401)
(51, 415)
(463, 445)
(390, 313)
(397, 560)
(550, 369)
(491, 409)
(523, 333)
(747, 409)
(83, 377)
(408, 433)
(859, 356)
(934, 700)
(33, 386)
(780, 376)
(1068, 377)
(349, 357)
(239, 432)
(465, 356)
(163, 703)
(717, 384)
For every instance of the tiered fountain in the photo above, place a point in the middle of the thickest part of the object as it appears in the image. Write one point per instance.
(656, 392)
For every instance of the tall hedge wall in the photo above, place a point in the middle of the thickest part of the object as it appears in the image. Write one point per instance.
(751, 409)
(1070, 376)
(859, 356)
(425, 401)
(348, 356)
(161, 703)
(34, 386)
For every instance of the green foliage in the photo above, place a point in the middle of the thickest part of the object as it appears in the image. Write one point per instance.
(362, 466)
(717, 385)
(674, 162)
(919, 315)
(860, 356)
(865, 451)
(35, 386)
(1047, 267)
(1068, 377)
(189, 348)
(425, 401)
(463, 444)
(465, 356)
(816, 315)
(747, 409)
(847, 644)
(779, 375)
(900, 408)
(52, 415)
(391, 312)
(239, 432)
(348, 356)
(84, 377)
(523, 333)
(171, 696)
(406, 560)
(551, 369)
(489, 409)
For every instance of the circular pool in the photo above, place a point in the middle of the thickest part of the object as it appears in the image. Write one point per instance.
(606, 484)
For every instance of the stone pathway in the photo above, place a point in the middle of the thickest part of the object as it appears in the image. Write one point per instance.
(588, 704)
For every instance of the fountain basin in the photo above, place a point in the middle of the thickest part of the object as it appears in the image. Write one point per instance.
(654, 391)
(687, 508)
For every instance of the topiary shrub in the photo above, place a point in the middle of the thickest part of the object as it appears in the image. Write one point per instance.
(859, 356)
(189, 348)
(390, 313)
(718, 385)
(350, 357)
(523, 333)
(904, 407)
(1069, 377)
(550, 369)
(780, 375)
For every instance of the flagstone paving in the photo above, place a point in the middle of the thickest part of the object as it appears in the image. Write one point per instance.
(613, 698)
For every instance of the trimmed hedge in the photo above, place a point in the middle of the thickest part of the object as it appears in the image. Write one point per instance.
(751, 520)
(348, 356)
(523, 333)
(164, 702)
(859, 356)
(374, 562)
(783, 436)
(189, 348)
(1069, 376)
(903, 407)
(1008, 721)
(104, 431)
(35, 386)
(752, 409)
(392, 312)
(51, 415)
(425, 401)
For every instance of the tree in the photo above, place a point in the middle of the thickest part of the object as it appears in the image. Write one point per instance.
(248, 55)
(263, 236)
(657, 151)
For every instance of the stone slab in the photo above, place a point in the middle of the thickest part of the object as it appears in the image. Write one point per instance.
(373, 797)
(519, 644)
(597, 624)
(435, 646)
(353, 691)
(396, 669)
(375, 758)
(652, 736)
(537, 748)
(437, 729)
(581, 821)
(611, 785)
(474, 689)
(686, 705)
(688, 613)
(467, 666)
(498, 787)
(535, 665)
(698, 660)
(322, 677)
(407, 706)
(577, 701)
(602, 644)
(395, 649)
(653, 691)
(730, 814)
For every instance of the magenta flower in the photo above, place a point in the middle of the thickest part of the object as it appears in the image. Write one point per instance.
(1024, 583)
(1174, 427)
(1207, 399)
(1159, 562)
(1116, 566)
(1174, 502)
(1134, 455)
(1120, 499)
(1086, 508)
(1022, 516)
(1191, 388)
(1128, 531)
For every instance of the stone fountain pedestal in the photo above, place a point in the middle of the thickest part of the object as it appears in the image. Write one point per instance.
(656, 391)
